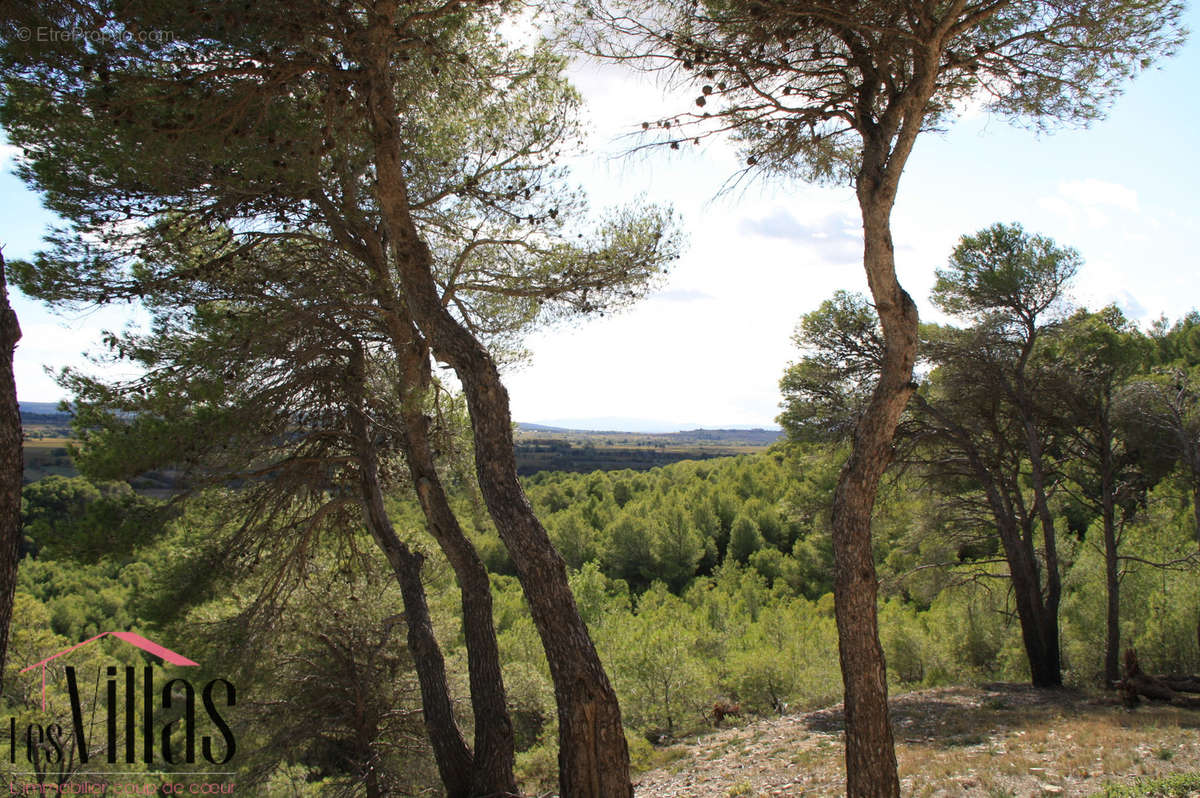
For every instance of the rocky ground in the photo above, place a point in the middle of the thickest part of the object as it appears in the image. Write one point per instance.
(991, 742)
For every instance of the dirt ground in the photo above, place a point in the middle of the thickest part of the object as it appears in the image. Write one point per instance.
(998, 741)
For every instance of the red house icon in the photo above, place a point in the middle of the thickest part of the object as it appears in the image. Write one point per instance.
(162, 652)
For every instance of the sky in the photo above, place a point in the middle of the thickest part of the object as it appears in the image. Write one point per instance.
(708, 346)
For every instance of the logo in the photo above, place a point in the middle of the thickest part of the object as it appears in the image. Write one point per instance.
(165, 718)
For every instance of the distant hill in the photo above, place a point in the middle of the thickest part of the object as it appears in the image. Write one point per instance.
(539, 447)
(753, 437)
(41, 409)
(523, 427)
(44, 418)
(756, 436)
(626, 424)
(545, 448)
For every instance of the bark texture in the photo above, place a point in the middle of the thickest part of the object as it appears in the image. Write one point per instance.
(593, 755)
(494, 745)
(887, 141)
(454, 759)
(1038, 616)
(870, 752)
(11, 467)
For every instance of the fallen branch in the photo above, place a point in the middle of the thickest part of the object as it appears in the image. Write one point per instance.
(1171, 688)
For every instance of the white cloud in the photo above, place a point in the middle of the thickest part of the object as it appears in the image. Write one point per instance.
(1092, 202)
(1099, 193)
(49, 342)
(682, 295)
(1056, 205)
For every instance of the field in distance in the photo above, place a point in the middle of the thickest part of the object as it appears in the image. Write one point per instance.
(538, 448)
(541, 448)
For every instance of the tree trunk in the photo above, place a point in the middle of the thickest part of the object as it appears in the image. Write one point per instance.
(1195, 495)
(1112, 584)
(1039, 627)
(454, 760)
(372, 781)
(870, 753)
(593, 755)
(11, 467)
(1053, 593)
(494, 741)
(1196, 515)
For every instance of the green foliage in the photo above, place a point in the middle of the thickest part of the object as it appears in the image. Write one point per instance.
(825, 392)
(1003, 271)
(676, 547)
(340, 665)
(676, 522)
(70, 517)
(1179, 785)
(658, 672)
(537, 769)
(597, 595)
(786, 659)
(744, 539)
(625, 550)
(773, 74)
(1178, 343)
(573, 536)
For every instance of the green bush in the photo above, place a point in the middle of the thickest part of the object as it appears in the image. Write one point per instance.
(1180, 785)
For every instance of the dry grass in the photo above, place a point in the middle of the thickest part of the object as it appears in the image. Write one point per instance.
(991, 742)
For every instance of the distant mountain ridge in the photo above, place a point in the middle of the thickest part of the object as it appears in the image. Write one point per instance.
(756, 436)
(41, 409)
(636, 427)
(633, 424)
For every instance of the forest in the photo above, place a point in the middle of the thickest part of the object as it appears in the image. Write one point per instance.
(343, 220)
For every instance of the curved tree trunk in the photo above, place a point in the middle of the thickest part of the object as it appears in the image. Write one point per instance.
(870, 753)
(454, 760)
(593, 755)
(11, 467)
(494, 741)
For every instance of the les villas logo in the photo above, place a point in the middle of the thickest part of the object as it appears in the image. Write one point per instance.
(48, 742)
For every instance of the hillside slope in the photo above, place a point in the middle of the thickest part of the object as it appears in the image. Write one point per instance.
(1001, 740)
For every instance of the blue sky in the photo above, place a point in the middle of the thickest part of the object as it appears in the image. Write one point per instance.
(708, 348)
